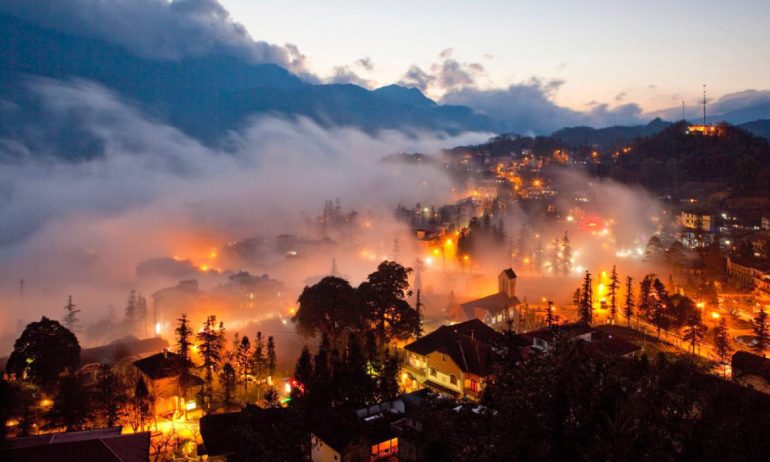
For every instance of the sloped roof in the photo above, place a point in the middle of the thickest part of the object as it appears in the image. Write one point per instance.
(106, 444)
(571, 330)
(748, 363)
(163, 365)
(509, 273)
(470, 355)
(133, 347)
(494, 304)
(446, 334)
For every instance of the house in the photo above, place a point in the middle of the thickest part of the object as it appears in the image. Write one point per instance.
(594, 338)
(499, 309)
(103, 445)
(370, 434)
(454, 360)
(751, 370)
(161, 373)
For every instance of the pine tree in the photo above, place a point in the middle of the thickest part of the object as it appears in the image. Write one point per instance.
(272, 359)
(141, 403)
(109, 395)
(71, 320)
(211, 346)
(183, 344)
(130, 313)
(243, 361)
(614, 286)
(259, 361)
(645, 291)
(658, 305)
(694, 330)
(549, 314)
(585, 308)
(303, 371)
(228, 379)
(761, 332)
(418, 306)
(628, 307)
(722, 345)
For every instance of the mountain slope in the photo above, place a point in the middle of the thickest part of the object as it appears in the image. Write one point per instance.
(205, 96)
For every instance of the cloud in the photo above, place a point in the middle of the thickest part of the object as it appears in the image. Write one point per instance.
(344, 74)
(366, 63)
(529, 107)
(157, 29)
(444, 76)
(736, 108)
(83, 227)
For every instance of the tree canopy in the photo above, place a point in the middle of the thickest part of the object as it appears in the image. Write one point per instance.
(44, 350)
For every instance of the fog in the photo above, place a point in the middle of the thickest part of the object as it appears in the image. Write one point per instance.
(159, 207)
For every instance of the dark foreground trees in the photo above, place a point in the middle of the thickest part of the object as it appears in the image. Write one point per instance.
(575, 405)
(44, 350)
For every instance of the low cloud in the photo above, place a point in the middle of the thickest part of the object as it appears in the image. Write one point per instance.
(528, 107)
(157, 29)
(444, 76)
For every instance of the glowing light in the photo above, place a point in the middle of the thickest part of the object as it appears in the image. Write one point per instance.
(213, 254)
(570, 218)
(204, 267)
(404, 376)
(46, 402)
(287, 388)
(292, 310)
(428, 261)
(466, 258)
(715, 315)
(157, 328)
(449, 242)
(190, 405)
(701, 305)
(436, 251)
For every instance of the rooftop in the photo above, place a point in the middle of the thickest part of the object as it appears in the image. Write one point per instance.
(104, 444)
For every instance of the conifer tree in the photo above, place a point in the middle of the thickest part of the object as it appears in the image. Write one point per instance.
(614, 286)
(722, 345)
(272, 358)
(585, 308)
(211, 345)
(183, 345)
(549, 314)
(694, 330)
(243, 361)
(566, 254)
(628, 306)
(228, 379)
(761, 332)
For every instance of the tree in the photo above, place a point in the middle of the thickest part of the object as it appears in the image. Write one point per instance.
(44, 350)
(211, 346)
(383, 298)
(243, 361)
(303, 371)
(694, 330)
(585, 308)
(140, 405)
(109, 395)
(760, 332)
(272, 358)
(628, 306)
(71, 408)
(131, 315)
(418, 307)
(70, 319)
(271, 398)
(614, 286)
(141, 312)
(183, 344)
(722, 345)
(645, 292)
(228, 379)
(328, 307)
(259, 362)
(388, 383)
(659, 304)
(549, 314)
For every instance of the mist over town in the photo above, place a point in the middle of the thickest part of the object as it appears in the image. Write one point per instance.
(216, 247)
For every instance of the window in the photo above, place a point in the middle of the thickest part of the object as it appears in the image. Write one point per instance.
(474, 386)
(432, 371)
(453, 379)
(443, 357)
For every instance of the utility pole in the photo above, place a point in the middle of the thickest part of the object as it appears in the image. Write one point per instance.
(704, 104)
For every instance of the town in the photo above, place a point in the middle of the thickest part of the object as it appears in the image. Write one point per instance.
(461, 322)
(384, 231)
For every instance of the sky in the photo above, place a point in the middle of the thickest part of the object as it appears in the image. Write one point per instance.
(655, 53)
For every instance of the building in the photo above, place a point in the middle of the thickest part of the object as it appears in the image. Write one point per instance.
(370, 434)
(161, 373)
(594, 338)
(697, 220)
(499, 310)
(103, 445)
(754, 274)
(751, 370)
(453, 360)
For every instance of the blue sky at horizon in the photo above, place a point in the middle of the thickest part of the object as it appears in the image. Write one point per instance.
(655, 53)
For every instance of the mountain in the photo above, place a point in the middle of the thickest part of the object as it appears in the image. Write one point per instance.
(204, 96)
(404, 95)
(607, 138)
(758, 127)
